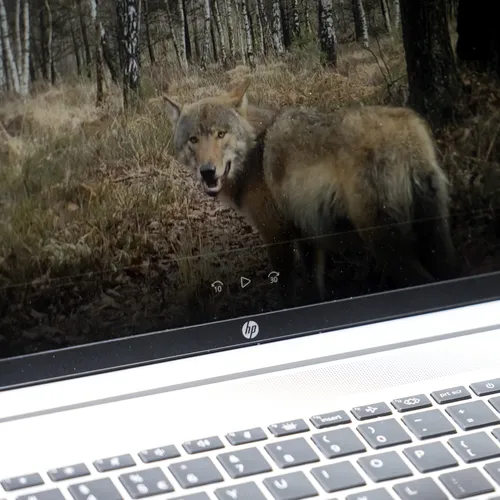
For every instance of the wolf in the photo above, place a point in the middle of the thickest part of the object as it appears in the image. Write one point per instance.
(301, 176)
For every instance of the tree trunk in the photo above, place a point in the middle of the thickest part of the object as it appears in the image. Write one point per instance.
(285, 23)
(24, 59)
(206, 34)
(220, 30)
(478, 42)
(3, 74)
(85, 38)
(295, 19)
(260, 30)
(397, 14)
(76, 47)
(17, 34)
(230, 30)
(248, 34)
(278, 29)
(433, 79)
(148, 34)
(360, 22)
(327, 35)
(8, 53)
(387, 15)
(127, 12)
(99, 73)
(188, 50)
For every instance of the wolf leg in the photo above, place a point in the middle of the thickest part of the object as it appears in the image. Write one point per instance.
(434, 242)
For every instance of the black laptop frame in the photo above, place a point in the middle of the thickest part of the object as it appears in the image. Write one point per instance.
(160, 346)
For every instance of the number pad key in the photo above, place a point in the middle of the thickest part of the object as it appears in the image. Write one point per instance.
(430, 457)
(384, 466)
(100, 489)
(293, 486)
(428, 424)
(242, 463)
(472, 415)
(196, 472)
(291, 453)
(338, 477)
(145, 483)
(475, 447)
(338, 443)
(466, 483)
(384, 433)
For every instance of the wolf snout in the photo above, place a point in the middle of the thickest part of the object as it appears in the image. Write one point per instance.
(207, 172)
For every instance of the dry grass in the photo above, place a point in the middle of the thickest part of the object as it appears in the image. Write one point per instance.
(87, 191)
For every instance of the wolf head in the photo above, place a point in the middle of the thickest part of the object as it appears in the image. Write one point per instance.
(212, 136)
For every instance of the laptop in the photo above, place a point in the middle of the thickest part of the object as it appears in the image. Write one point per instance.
(125, 381)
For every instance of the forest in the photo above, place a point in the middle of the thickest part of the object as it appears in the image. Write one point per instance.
(103, 234)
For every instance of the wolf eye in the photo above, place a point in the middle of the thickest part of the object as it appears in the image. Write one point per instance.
(221, 134)
(193, 139)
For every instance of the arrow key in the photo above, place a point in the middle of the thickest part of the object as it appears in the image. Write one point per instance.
(243, 491)
(242, 463)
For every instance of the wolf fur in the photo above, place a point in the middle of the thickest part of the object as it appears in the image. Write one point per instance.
(302, 175)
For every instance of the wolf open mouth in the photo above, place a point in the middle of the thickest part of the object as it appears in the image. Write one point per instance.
(213, 187)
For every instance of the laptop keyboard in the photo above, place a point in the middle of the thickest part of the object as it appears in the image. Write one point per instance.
(455, 431)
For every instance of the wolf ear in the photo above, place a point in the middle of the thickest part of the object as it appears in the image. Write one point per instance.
(173, 109)
(238, 96)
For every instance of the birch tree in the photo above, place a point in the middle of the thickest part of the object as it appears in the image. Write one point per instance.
(7, 48)
(99, 74)
(387, 15)
(230, 29)
(327, 35)
(360, 22)
(151, 51)
(24, 58)
(397, 14)
(206, 33)
(85, 38)
(220, 30)
(127, 12)
(248, 34)
(277, 29)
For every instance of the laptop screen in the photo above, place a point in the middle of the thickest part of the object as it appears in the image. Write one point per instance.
(290, 161)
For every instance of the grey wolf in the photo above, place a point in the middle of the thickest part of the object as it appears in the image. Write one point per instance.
(301, 176)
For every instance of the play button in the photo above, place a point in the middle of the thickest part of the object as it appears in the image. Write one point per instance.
(244, 282)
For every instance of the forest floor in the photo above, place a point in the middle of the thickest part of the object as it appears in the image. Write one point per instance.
(103, 234)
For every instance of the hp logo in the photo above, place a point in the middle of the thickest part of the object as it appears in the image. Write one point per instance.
(250, 330)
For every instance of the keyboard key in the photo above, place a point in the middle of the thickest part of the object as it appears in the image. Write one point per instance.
(451, 395)
(194, 496)
(114, 463)
(330, 419)
(338, 443)
(475, 447)
(493, 469)
(384, 433)
(472, 415)
(69, 472)
(371, 411)
(486, 387)
(428, 424)
(384, 466)
(495, 402)
(288, 428)
(246, 436)
(377, 494)
(242, 463)
(292, 486)
(466, 483)
(338, 477)
(20, 482)
(157, 454)
(196, 472)
(146, 483)
(205, 444)
(430, 457)
(54, 494)
(291, 453)
(410, 403)
(100, 489)
(420, 489)
(242, 491)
